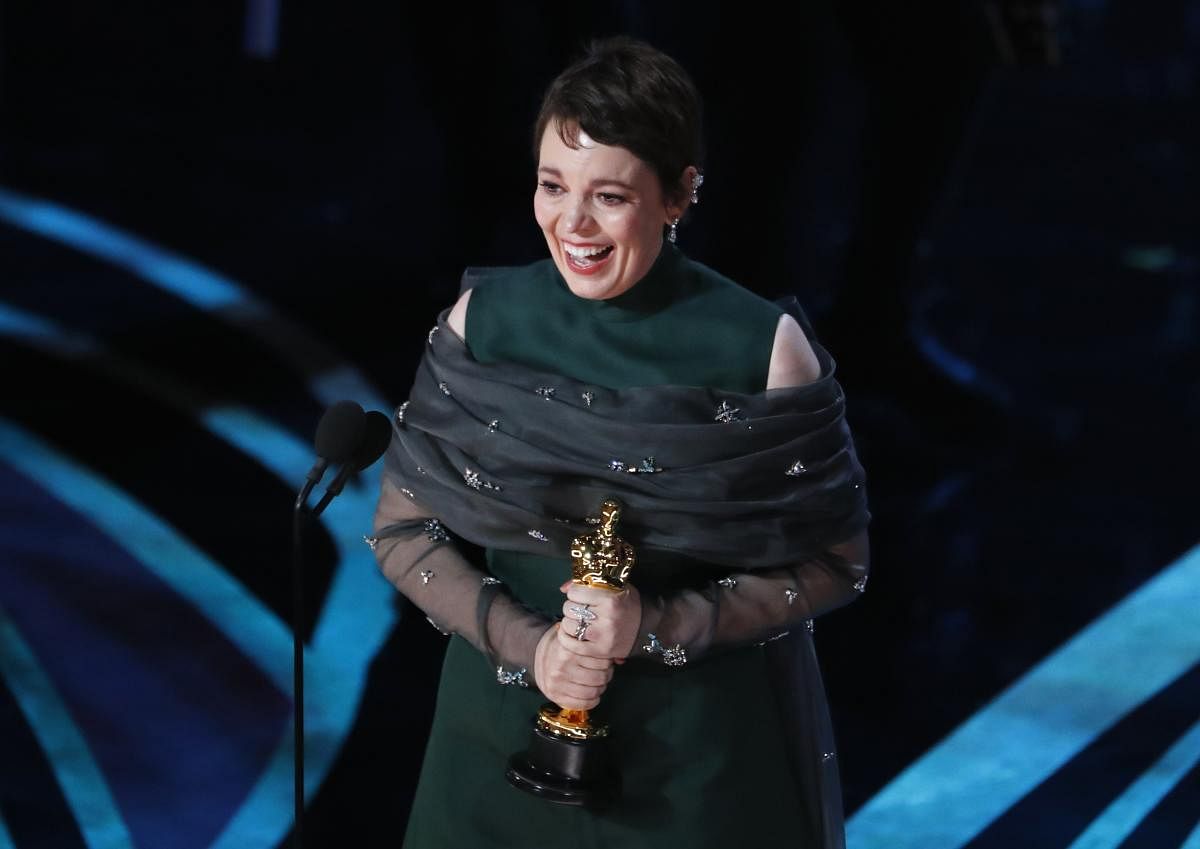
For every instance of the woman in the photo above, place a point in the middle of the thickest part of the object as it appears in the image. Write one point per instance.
(618, 367)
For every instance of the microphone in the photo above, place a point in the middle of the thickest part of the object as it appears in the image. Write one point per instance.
(339, 434)
(377, 433)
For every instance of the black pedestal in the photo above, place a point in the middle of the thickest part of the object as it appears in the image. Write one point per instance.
(565, 771)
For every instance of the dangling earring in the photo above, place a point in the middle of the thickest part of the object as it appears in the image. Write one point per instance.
(673, 234)
(697, 182)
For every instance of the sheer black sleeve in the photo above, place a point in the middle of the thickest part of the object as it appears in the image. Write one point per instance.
(416, 553)
(748, 607)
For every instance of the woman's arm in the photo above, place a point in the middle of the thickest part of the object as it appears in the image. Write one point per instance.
(741, 608)
(415, 553)
(753, 607)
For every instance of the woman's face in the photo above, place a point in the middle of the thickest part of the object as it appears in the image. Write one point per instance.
(602, 211)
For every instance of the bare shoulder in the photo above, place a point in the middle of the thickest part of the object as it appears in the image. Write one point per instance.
(458, 315)
(793, 362)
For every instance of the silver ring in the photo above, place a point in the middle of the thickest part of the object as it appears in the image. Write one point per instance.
(580, 631)
(582, 613)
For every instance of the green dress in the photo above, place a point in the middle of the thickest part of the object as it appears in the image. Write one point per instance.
(700, 748)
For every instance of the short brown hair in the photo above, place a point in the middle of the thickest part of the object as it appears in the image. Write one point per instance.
(625, 93)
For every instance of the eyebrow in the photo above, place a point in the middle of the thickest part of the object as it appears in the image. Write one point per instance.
(603, 181)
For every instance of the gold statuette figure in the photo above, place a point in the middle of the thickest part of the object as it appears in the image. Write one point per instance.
(566, 761)
(603, 560)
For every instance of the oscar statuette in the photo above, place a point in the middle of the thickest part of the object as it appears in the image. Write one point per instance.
(567, 760)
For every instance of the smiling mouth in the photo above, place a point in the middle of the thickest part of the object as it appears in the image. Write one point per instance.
(586, 259)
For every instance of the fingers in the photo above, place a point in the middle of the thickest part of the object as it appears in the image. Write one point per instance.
(594, 645)
(611, 618)
(595, 663)
(595, 596)
(585, 677)
(573, 682)
(579, 611)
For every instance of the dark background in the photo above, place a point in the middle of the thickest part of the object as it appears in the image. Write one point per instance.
(1001, 254)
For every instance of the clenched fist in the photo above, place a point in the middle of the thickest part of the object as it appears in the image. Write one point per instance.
(568, 679)
(612, 620)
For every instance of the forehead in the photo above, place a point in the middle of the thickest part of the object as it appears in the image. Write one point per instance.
(591, 160)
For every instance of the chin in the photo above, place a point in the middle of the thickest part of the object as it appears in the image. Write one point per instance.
(586, 287)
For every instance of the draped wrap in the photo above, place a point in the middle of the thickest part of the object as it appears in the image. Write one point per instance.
(516, 459)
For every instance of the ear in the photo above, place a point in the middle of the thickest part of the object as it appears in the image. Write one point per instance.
(676, 208)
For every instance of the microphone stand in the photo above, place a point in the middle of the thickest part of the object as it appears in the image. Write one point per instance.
(378, 433)
(298, 516)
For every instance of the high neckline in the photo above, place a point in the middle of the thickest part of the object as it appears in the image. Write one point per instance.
(642, 300)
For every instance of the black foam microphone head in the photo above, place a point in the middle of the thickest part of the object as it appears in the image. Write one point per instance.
(340, 431)
(377, 433)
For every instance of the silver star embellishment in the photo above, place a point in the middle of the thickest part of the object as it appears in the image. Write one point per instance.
(473, 480)
(517, 677)
(647, 467)
(676, 656)
(435, 531)
(727, 413)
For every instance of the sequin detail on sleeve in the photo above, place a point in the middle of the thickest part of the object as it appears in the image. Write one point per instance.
(674, 656)
(505, 677)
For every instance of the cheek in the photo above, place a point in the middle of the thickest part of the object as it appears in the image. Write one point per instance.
(639, 230)
(620, 227)
(542, 213)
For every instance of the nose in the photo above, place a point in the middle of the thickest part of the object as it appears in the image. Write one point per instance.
(575, 218)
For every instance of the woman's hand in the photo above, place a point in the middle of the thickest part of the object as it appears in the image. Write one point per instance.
(612, 620)
(568, 679)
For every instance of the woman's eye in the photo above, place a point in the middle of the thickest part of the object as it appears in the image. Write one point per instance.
(550, 188)
(610, 199)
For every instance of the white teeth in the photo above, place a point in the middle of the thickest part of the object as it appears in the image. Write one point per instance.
(584, 252)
